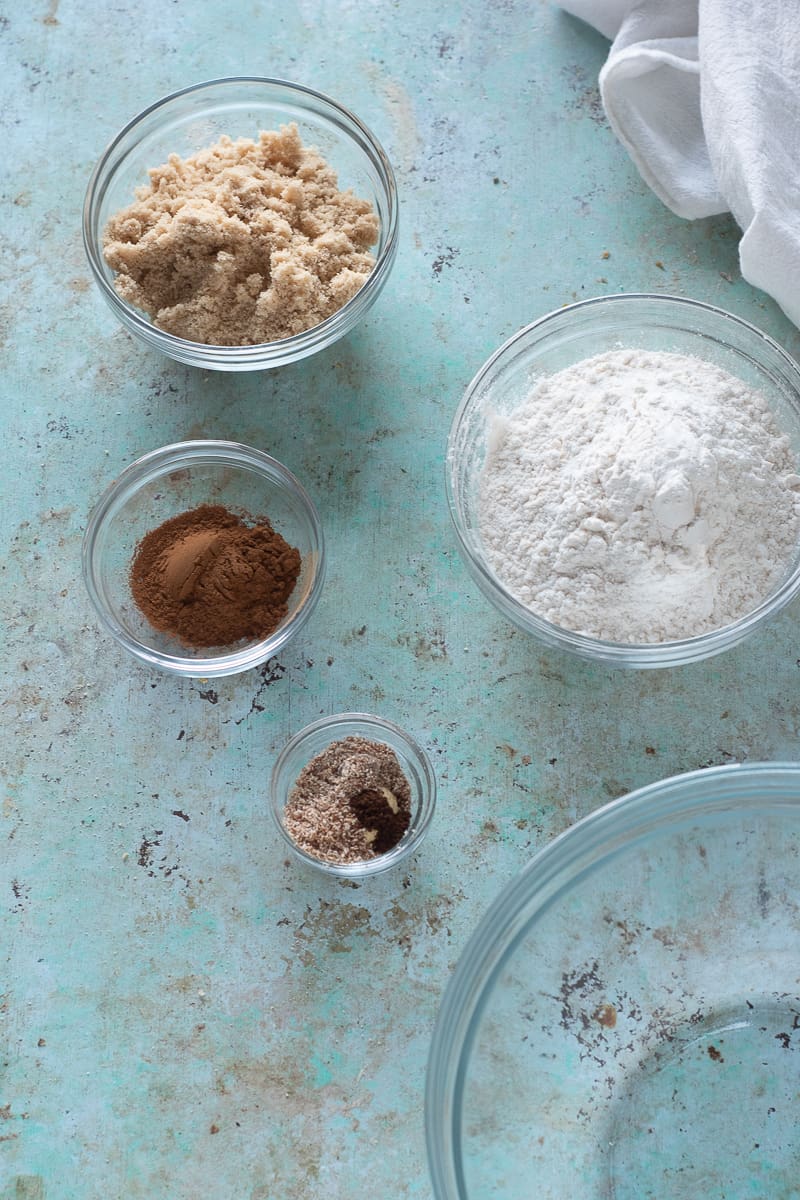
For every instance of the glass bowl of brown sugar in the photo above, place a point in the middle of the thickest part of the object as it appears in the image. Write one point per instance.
(241, 223)
(204, 558)
(352, 795)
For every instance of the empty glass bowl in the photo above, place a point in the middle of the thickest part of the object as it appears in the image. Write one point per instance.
(196, 117)
(177, 479)
(625, 1022)
(562, 339)
(413, 761)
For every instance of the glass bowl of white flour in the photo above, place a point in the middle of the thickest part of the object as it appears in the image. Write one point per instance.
(624, 479)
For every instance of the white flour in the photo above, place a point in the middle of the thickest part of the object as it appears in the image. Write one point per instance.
(640, 497)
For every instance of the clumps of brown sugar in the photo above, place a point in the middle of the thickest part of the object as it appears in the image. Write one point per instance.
(350, 803)
(244, 242)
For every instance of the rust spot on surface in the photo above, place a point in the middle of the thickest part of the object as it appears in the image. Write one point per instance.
(145, 855)
(445, 258)
(432, 648)
(606, 1015)
(333, 926)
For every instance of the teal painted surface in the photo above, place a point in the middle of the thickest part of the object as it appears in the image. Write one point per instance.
(183, 1011)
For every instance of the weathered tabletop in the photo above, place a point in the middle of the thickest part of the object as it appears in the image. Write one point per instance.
(184, 1012)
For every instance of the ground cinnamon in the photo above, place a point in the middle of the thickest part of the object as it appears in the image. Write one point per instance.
(209, 578)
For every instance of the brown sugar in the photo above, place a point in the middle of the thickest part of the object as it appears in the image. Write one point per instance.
(350, 803)
(244, 242)
(209, 578)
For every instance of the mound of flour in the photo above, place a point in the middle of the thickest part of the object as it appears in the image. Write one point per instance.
(640, 497)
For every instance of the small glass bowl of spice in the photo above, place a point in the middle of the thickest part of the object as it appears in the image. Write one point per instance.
(241, 223)
(204, 558)
(352, 794)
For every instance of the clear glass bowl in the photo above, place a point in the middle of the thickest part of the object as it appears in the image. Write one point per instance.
(415, 763)
(625, 1021)
(196, 117)
(176, 479)
(576, 332)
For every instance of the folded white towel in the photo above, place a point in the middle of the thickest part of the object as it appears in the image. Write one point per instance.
(705, 96)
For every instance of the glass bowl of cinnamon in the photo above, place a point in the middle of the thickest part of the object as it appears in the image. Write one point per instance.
(204, 558)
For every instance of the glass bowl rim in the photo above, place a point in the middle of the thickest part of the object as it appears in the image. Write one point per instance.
(298, 344)
(157, 463)
(422, 762)
(641, 654)
(585, 847)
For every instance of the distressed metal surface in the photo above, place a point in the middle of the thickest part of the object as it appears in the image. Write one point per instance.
(182, 1011)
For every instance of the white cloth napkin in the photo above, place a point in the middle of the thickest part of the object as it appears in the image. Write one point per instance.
(705, 96)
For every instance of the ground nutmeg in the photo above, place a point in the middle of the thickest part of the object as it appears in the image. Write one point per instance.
(350, 803)
(210, 577)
